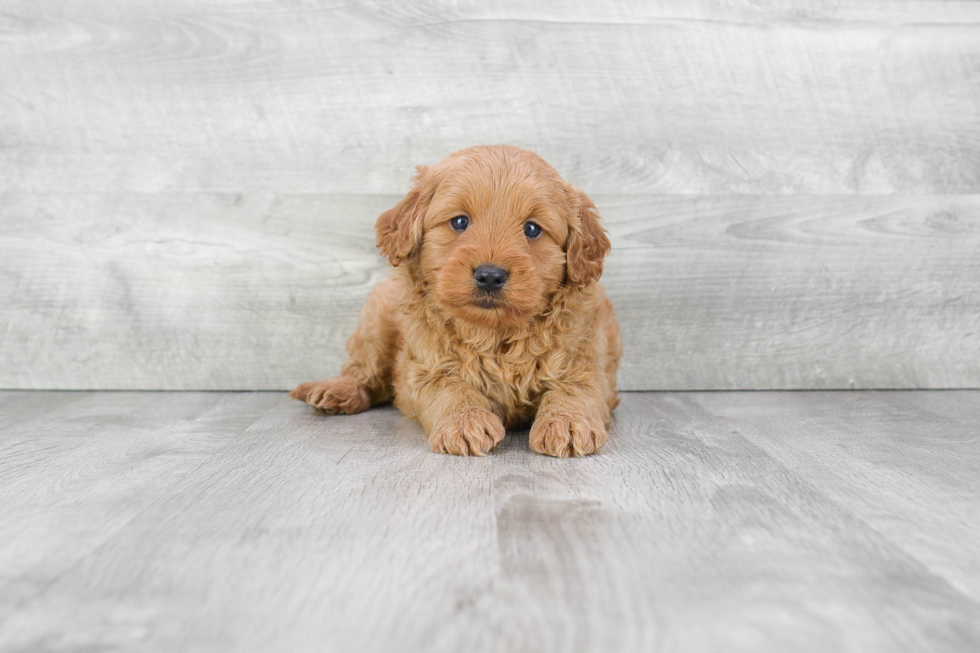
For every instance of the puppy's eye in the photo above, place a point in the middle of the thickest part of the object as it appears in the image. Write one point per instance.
(532, 230)
(459, 223)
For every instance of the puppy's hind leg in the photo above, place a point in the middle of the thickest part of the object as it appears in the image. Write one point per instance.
(366, 377)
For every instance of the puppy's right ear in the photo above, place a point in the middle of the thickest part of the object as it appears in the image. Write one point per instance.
(398, 231)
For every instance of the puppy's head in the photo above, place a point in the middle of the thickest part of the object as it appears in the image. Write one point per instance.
(493, 232)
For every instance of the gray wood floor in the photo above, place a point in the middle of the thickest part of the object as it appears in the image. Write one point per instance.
(797, 521)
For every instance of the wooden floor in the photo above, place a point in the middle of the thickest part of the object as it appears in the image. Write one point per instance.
(711, 522)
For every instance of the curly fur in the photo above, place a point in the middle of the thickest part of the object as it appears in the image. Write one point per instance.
(547, 348)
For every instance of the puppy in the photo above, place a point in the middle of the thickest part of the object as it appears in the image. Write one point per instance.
(493, 316)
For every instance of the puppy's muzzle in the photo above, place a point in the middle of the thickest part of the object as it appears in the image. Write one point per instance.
(490, 278)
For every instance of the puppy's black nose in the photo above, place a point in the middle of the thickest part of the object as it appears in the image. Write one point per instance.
(490, 278)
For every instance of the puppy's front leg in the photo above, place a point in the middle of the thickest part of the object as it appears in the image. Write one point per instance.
(571, 421)
(343, 395)
(457, 419)
(365, 379)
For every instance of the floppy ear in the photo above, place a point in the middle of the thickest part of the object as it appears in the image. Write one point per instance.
(398, 230)
(587, 243)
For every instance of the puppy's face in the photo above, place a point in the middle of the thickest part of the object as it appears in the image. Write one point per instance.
(494, 232)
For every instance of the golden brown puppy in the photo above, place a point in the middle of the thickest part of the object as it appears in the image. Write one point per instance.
(493, 316)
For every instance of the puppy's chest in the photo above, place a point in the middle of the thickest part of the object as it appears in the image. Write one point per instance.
(511, 374)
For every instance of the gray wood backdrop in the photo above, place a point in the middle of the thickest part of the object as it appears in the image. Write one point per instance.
(188, 188)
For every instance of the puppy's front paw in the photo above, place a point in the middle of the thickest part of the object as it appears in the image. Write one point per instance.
(468, 432)
(567, 434)
(342, 394)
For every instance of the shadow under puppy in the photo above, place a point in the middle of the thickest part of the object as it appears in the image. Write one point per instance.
(493, 316)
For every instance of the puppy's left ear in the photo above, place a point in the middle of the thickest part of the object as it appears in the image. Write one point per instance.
(398, 231)
(587, 243)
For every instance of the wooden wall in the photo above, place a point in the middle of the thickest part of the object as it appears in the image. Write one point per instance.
(188, 188)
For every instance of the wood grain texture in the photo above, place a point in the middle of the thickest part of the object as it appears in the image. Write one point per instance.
(19, 406)
(623, 97)
(737, 522)
(260, 291)
(112, 453)
(187, 189)
(916, 479)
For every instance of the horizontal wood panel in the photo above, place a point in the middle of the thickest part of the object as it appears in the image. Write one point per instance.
(259, 291)
(801, 292)
(660, 97)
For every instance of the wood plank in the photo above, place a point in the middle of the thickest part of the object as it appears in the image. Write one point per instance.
(17, 406)
(917, 481)
(309, 533)
(797, 293)
(260, 291)
(76, 475)
(159, 292)
(623, 97)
